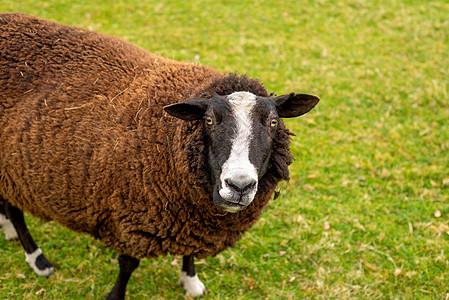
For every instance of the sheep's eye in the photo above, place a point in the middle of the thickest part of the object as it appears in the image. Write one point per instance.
(274, 123)
(209, 121)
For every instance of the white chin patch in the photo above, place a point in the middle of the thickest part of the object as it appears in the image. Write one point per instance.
(238, 167)
(232, 209)
(193, 286)
(8, 228)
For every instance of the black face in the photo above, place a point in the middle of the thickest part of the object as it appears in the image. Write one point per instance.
(240, 130)
(265, 127)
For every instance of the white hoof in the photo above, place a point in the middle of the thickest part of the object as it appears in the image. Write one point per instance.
(193, 286)
(8, 228)
(40, 265)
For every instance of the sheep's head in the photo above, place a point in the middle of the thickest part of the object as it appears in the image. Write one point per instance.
(240, 129)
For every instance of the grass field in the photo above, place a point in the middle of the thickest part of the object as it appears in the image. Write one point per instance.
(366, 212)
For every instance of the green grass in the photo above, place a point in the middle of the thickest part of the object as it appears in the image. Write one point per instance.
(357, 219)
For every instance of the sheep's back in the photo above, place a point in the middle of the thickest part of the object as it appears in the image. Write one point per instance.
(39, 56)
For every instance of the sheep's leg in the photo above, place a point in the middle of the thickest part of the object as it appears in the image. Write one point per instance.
(34, 256)
(188, 278)
(6, 225)
(127, 265)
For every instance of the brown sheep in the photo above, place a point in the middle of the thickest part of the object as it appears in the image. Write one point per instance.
(85, 141)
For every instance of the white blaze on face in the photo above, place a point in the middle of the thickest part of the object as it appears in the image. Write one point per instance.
(238, 166)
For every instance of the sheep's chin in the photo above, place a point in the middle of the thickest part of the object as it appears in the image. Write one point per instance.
(225, 205)
(233, 208)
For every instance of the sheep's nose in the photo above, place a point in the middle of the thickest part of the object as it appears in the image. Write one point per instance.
(242, 184)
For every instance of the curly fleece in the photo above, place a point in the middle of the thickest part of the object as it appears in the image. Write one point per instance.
(84, 141)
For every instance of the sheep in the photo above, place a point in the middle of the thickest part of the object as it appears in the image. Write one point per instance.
(146, 154)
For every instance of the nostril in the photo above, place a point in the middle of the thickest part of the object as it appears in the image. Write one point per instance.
(241, 186)
(232, 185)
(250, 186)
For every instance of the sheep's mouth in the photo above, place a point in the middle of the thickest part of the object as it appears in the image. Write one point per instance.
(233, 205)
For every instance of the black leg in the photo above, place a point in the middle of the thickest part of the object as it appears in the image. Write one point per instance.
(15, 215)
(34, 256)
(2, 209)
(127, 265)
(189, 280)
(188, 265)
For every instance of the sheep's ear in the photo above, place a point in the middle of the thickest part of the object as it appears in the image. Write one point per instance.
(294, 105)
(189, 110)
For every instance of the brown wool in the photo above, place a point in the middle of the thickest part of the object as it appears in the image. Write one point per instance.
(84, 141)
